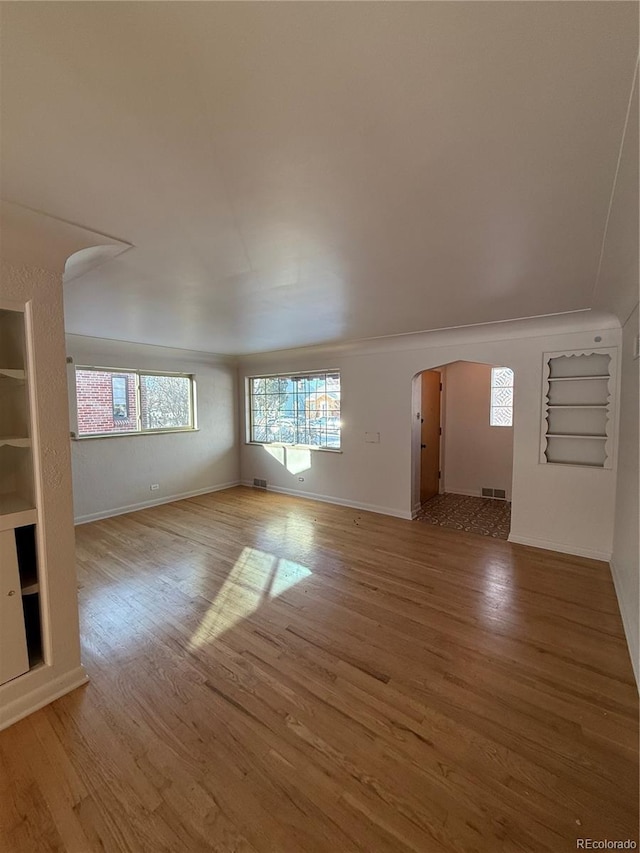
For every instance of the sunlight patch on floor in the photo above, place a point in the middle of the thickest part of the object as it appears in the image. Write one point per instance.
(256, 577)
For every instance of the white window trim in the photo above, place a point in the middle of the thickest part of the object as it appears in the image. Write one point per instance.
(491, 388)
(75, 433)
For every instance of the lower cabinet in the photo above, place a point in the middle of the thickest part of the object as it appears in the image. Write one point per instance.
(20, 635)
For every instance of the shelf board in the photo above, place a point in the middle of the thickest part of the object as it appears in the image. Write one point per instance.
(577, 406)
(14, 441)
(575, 378)
(15, 511)
(576, 464)
(573, 435)
(11, 373)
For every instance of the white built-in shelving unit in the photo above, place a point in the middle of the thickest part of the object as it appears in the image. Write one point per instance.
(20, 635)
(578, 409)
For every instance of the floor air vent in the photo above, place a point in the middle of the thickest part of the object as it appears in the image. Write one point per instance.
(259, 484)
(487, 493)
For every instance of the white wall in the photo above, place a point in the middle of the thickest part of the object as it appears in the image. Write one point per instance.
(617, 290)
(626, 542)
(565, 508)
(113, 475)
(475, 453)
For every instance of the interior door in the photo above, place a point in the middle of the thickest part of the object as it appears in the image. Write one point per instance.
(430, 435)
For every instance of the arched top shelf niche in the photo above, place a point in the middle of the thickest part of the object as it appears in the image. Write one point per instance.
(578, 409)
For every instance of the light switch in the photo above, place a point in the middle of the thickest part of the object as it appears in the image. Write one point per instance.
(372, 437)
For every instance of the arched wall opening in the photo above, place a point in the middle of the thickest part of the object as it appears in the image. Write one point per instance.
(462, 432)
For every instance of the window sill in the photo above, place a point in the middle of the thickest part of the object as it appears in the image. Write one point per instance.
(293, 446)
(133, 434)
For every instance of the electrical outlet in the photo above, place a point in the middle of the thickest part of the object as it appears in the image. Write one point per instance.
(154, 487)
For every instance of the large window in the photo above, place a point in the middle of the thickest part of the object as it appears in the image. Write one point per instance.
(117, 402)
(501, 396)
(296, 409)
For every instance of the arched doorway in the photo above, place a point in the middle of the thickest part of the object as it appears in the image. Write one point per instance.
(462, 446)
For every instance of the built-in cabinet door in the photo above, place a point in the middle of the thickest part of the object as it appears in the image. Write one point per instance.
(14, 658)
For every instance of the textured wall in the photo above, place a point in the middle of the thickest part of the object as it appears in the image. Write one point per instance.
(41, 291)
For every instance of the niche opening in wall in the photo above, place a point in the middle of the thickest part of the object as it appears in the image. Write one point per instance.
(578, 410)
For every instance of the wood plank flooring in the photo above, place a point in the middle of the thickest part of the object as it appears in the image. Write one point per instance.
(273, 675)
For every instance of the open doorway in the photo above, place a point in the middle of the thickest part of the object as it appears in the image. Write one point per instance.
(463, 447)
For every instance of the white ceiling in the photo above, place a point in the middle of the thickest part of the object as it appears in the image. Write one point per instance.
(300, 173)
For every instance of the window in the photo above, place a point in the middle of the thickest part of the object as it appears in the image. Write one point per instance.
(120, 397)
(121, 402)
(297, 409)
(501, 396)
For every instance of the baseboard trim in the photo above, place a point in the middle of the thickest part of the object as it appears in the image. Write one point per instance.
(328, 499)
(476, 493)
(122, 510)
(561, 547)
(41, 696)
(470, 493)
(626, 621)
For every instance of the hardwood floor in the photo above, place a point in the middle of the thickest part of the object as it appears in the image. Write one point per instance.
(273, 674)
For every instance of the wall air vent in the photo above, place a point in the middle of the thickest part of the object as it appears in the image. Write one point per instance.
(259, 484)
(494, 493)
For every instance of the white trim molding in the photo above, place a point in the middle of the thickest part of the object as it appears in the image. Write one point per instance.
(167, 499)
(329, 499)
(561, 547)
(41, 695)
(627, 622)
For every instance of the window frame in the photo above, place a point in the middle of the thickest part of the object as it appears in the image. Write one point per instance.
(138, 372)
(301, 374)
(492, 387)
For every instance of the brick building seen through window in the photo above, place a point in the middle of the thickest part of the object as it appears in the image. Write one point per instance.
(117, 402)
(96, 404)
